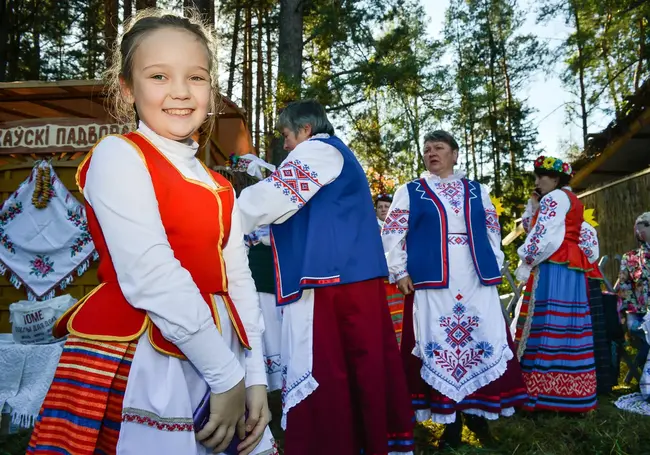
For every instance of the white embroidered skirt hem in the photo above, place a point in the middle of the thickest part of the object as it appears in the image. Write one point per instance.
(161, 395)
(460, 331)
(297, 355)
(272, 315)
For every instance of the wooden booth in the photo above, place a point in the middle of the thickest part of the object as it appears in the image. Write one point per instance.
(60, 122)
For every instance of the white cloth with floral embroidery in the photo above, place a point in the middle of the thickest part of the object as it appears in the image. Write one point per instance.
(43, 248)
(274, 200)
(460, 332)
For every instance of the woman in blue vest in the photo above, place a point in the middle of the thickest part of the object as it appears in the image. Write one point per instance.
(442, 238)
(344, 392)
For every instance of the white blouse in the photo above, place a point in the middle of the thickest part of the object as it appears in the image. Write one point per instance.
(450, 191)
(310, 166)
(547, 234)
(120, 191)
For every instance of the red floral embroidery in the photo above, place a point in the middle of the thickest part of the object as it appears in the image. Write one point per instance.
(159, 425)
(396, 222)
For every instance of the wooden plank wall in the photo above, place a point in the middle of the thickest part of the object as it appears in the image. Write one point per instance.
(11, 175)
(617, 207)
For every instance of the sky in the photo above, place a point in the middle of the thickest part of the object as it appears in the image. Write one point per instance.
(545, 93)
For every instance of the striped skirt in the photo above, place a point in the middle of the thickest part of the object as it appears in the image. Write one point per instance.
(555, 341)
(396, 307)
(82, 411)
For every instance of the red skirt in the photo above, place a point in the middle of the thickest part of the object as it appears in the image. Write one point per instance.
(361, 404)
(82, 411)
(509, 391)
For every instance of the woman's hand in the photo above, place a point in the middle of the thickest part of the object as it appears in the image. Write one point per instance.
(405, 285)
(259, 417)
(534, 200)
(226, 416)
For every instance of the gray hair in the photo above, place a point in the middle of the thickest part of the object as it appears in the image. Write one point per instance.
(643, 218)
(441, 136)
(299, 114)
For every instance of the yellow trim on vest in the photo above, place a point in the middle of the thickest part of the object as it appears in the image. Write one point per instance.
(228, 301)
(95, 337)
(217, 318)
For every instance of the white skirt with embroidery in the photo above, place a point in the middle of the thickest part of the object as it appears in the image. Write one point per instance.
(460, 332)
(272, 315)
(163, 392)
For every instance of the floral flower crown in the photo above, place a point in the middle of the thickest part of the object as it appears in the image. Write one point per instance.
(550, 163)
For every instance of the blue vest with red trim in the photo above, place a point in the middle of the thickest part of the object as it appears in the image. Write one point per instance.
(426, 241)
(333, 239)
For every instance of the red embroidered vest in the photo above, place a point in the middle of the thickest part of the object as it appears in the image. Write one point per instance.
(197, 222)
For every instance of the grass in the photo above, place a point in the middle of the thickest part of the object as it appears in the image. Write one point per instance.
(606, 431)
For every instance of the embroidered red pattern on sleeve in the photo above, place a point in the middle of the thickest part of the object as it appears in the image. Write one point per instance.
(492, 221)
(396, 222)
(296, 180)
(546, 213)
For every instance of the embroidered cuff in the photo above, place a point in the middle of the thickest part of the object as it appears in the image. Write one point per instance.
(211, 356)
(255, 366)
(523, 272)
(395, 277)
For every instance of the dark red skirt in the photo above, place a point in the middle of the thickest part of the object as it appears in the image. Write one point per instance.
(361, 404)
(509, 391)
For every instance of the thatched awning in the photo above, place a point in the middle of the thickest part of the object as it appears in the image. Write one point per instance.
(621, 149)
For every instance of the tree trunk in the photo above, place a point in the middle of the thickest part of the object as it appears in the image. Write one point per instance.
(289, 60)
(34, 70)
(604, 45)
(6, 9)
(144, 4)
(246, 69)
(259, 83)
(268, 109)
(111, 20)
(128, 9)
(509, 101)
(492, 114)
(249, 58)
(642, 54)
(233, 49)
(581, 72)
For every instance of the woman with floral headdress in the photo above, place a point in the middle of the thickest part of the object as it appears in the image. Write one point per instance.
(552, 323)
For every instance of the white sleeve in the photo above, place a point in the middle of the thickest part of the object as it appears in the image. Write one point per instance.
(493, 226)
(310, 166)
(393, 234)
(527, 217)
(589, 242)
(546, 235)
(241, 289)
(149, 275)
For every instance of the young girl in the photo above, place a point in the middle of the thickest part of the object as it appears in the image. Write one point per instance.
(176, 313)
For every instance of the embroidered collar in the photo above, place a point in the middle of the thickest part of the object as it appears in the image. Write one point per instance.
(433, 178)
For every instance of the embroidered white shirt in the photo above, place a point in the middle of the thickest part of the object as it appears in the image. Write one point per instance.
(310, 166)
(451, 190)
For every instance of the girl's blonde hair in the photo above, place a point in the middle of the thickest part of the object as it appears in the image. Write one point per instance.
(121, 68)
